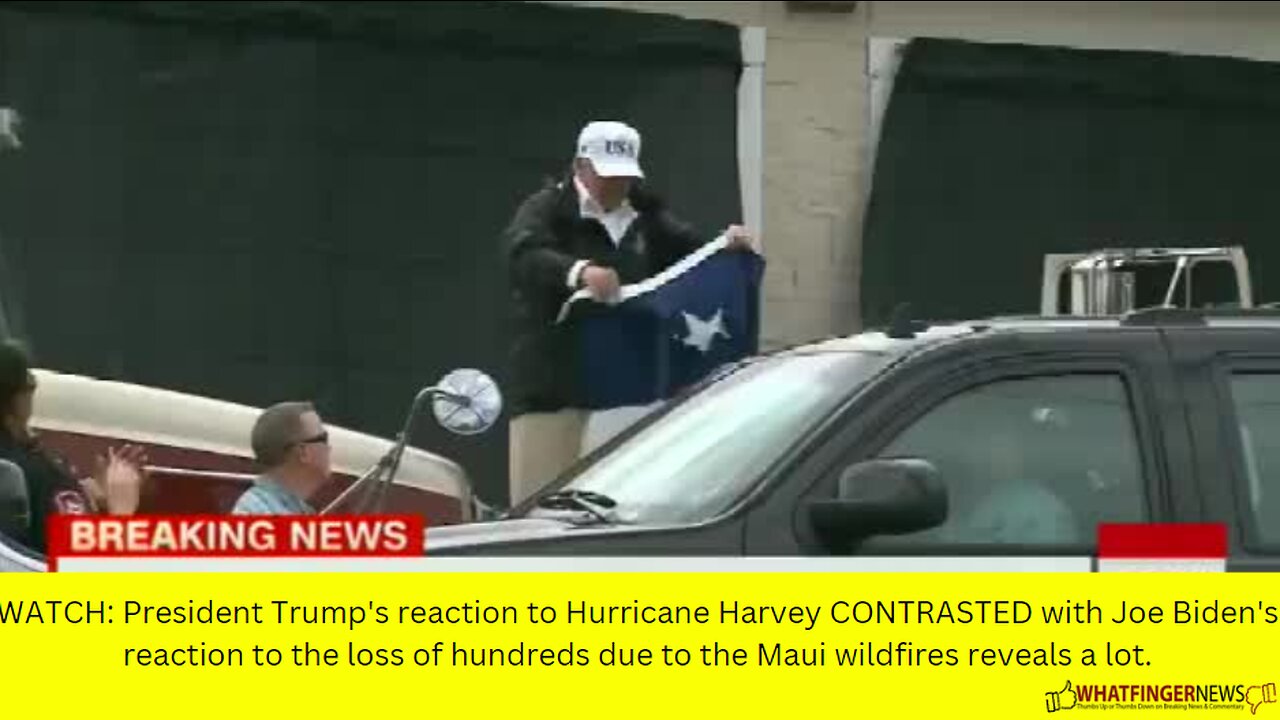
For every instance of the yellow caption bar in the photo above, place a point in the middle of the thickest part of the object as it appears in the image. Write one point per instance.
(636, 645)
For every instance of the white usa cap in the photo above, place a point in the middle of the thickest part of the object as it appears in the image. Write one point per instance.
(612, 147)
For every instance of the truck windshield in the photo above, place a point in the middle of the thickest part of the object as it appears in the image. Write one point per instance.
(703, 455)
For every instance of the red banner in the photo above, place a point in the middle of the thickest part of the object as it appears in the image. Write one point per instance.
(236, 536)
(1162, 541)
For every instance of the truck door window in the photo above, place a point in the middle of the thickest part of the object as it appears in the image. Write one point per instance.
(1033, 461)
(1257, 411)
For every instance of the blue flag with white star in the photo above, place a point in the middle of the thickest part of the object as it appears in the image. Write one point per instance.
(670, 331)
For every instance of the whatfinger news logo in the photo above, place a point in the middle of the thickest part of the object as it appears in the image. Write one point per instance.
(1160, 697)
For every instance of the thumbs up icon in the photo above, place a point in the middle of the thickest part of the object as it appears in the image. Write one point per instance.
(1259, 694)
(1064, 699)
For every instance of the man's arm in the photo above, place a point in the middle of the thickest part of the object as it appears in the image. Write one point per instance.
(680, 238)
(684, 237)
(688, 240)
(536, 260)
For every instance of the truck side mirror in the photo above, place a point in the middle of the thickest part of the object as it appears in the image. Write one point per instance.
(469, 402)
(880, 497)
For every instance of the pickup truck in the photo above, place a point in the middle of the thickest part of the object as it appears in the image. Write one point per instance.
(1009, 436)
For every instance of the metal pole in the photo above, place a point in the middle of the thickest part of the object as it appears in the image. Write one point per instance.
(373, 487)
(1173, 284)
(379, 492)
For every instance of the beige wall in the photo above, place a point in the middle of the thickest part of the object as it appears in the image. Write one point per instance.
(816, 110)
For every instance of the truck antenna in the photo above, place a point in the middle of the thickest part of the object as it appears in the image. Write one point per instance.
(901, 326)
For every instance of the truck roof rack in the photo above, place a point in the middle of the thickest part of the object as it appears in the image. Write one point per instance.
(1197, 316)
(1104, 282)
(1163, 316)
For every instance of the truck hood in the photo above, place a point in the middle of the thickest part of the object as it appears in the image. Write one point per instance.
(499, 532)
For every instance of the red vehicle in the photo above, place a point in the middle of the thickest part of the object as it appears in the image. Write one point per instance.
(200, 459)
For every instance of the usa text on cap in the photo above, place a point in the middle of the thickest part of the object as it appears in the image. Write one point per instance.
(612, 147)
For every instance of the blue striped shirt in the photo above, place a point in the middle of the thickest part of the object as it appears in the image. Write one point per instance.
(269, 497)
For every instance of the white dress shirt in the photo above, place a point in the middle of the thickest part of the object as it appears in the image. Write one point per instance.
(616, 222)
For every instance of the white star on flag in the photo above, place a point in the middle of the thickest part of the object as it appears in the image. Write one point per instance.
(703, 332)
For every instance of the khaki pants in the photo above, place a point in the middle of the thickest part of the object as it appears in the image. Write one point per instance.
(542, 445)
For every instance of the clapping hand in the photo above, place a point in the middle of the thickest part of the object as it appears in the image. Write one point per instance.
(117, 484)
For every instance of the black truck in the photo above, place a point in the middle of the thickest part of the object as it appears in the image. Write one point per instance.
(1012, 436)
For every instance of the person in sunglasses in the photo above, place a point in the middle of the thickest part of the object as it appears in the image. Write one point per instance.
(290, 443)
(52, 486)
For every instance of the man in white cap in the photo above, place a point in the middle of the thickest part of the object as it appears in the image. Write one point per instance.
(598, 229)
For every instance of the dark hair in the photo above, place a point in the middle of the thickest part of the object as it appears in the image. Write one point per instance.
(277, 430)
(15, 371)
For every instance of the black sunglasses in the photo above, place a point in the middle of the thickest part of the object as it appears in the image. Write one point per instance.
(321, 439)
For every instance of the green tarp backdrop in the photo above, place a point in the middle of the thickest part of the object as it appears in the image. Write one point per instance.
(262, 201)
(993, 155)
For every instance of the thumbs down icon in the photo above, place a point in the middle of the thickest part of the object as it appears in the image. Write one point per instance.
(1259, 694)
(1064, 699)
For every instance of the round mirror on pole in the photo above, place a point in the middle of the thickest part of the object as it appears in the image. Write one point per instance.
(476, 407)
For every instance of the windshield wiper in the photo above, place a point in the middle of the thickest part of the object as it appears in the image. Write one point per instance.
(592, 502)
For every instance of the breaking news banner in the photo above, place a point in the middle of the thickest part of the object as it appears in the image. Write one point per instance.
(235, 537)
(701, 644)
(311, 543)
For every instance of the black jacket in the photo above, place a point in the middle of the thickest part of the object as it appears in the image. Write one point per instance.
(50, 488)
(545, 238)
